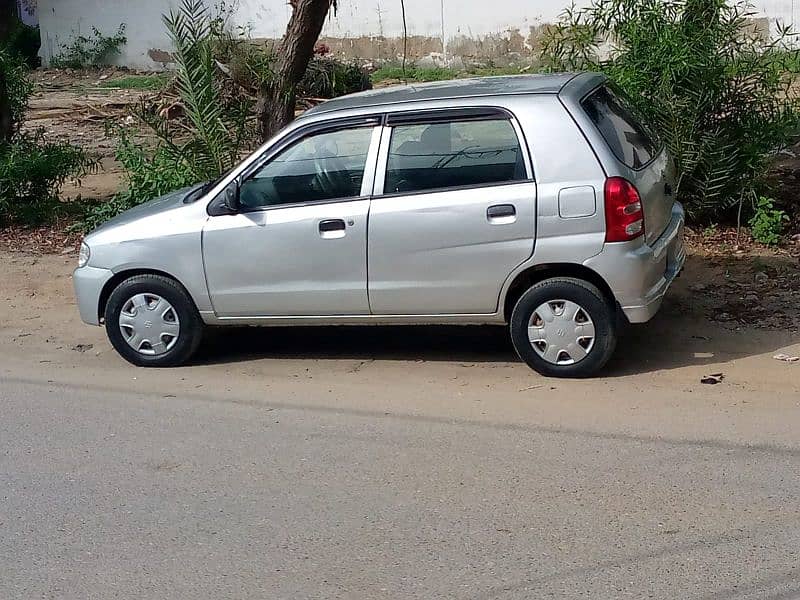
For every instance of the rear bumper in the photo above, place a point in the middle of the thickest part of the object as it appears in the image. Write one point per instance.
(640, 275)
(89, 283)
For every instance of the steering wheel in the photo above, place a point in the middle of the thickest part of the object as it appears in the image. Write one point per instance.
(331, 176)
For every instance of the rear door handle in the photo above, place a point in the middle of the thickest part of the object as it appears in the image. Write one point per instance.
(332, 228)
(501, 213)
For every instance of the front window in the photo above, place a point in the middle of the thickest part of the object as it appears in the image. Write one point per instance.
(436, 156)
(320, 167)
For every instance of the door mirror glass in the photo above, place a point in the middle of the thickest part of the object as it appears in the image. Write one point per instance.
(230, 197)
(227, 202)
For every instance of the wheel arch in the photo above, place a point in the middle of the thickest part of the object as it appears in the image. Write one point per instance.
(118, 278)
(533, 275)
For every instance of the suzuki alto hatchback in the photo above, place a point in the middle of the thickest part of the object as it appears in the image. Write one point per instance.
(542, 202)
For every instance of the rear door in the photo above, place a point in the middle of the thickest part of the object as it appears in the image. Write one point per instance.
(636, 147)
(452, 214)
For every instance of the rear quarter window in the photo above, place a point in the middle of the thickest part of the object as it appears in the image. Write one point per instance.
(631, 141)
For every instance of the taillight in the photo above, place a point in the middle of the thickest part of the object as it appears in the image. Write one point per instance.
(624, 214)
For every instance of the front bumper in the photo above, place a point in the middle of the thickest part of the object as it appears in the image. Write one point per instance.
(640, 275)
(89, 283)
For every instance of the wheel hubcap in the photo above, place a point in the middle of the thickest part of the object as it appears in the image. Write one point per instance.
(149, 324)
(561, 332)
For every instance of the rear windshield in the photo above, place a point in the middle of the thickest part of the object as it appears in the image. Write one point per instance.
(624, 132)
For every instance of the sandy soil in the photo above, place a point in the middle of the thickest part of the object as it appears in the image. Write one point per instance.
(42, 338)
(73, 106)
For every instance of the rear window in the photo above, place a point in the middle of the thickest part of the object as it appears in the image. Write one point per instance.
(631, 141)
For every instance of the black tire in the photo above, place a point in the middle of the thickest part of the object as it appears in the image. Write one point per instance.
(594, 304)
(191, 325)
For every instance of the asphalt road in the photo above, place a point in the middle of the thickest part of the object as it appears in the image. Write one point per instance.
(124, 494)
(393, 463)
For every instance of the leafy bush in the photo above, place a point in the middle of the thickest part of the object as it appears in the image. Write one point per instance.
(767, 223)
(718, 93)
(18, 86)
(390, 72)
(148, 173)
(412, 73)
(217, 123)
(95, 50)
(24, 41)
(31, 171)
(330, 77)
(246, 62)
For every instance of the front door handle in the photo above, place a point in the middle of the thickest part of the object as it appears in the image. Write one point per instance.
(332, 228)
(501, 214)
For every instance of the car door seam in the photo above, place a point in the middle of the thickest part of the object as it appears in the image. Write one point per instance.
(384, 128)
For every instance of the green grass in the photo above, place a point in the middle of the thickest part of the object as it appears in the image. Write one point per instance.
(412, 73)
(155, 81)
(495, 71)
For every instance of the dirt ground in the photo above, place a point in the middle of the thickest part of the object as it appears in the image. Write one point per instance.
(726, 314)
(76, 106)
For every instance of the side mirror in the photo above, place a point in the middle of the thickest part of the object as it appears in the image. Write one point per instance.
(230, 197)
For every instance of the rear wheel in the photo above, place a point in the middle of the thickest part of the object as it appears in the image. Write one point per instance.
(564, 327)
(152, 322)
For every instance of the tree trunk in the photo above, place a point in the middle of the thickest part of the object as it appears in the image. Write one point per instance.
(6, 123)
(276, 106)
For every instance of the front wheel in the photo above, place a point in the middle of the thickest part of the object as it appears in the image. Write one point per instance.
(152, 322)
(564, 327)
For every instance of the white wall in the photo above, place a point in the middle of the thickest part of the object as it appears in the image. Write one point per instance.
(448, 19)
(431, 17)
(61, 20)
(424, 17)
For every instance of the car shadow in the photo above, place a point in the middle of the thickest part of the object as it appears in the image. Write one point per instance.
(482, 343)
(674, 338)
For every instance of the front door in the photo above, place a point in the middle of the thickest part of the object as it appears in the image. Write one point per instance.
(298, 245)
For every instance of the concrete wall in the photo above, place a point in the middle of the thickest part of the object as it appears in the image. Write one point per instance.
(477, 30)
(61, 20)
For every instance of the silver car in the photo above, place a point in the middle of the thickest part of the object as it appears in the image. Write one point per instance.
(542, 202)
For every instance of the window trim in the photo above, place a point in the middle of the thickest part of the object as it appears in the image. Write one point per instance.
(475, 113)
(457, 188)
(272, 207)
(447, 115)
(659, 149)
(300, 134)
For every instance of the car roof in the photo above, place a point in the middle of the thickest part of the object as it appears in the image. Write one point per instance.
(439, 90)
